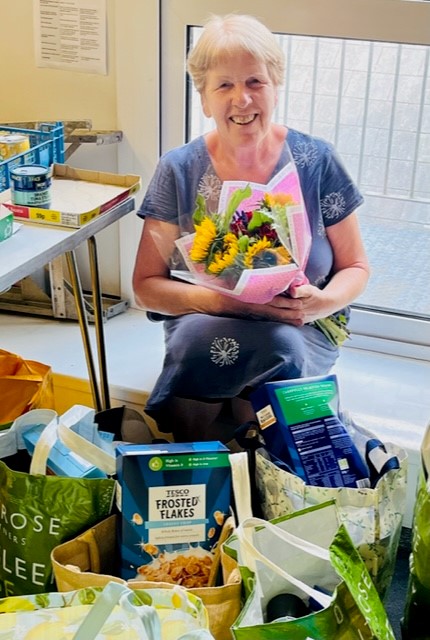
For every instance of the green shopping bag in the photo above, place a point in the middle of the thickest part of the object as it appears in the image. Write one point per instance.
(38, 511)
(310, 555)
(415, 624)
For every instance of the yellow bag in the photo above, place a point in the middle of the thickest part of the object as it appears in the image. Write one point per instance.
(24, 385)
(87, 560)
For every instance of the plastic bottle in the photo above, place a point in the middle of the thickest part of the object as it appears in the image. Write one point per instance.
(285, 606)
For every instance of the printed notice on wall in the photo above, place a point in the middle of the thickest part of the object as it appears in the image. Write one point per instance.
(71, 35)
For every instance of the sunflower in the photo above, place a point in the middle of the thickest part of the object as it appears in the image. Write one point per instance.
(226, 257)
(272, 199)
(254, 249)
(206, 233)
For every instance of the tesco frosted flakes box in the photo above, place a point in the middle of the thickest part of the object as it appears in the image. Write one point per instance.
(173, 499)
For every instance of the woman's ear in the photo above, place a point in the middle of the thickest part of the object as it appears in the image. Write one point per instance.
(205, 106)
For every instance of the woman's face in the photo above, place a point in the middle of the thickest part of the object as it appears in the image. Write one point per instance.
(240, 96)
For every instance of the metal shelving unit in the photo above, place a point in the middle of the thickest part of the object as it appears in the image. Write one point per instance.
(48, 292)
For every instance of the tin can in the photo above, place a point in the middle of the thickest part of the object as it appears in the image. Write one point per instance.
(31, 185)
(11, 144)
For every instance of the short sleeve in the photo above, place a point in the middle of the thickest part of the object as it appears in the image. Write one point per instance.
(339, 196)
(160, 201)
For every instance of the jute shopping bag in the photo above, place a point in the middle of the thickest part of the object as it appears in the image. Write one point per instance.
(311, 556)
(88, 560)
(40, 511)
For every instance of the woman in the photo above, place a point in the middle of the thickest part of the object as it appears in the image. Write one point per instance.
(217, 348)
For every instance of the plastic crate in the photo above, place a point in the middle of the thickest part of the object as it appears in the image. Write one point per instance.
(46, 147)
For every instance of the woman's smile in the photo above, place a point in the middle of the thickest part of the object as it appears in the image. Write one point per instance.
(242, 120)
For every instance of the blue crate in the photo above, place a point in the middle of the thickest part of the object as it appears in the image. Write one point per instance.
(46, 147)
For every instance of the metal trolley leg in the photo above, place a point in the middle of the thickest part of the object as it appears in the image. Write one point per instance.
(83, 324)
(98, 320)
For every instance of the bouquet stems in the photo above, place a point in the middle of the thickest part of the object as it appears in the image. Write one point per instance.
(334, 328)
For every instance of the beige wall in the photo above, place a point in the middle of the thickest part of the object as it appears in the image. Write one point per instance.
(125, 99)
(31, 93)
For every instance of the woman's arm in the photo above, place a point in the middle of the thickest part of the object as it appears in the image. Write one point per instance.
(351, 273)
(153, 289)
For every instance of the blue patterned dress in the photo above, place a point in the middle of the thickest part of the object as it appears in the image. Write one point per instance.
(214, 357)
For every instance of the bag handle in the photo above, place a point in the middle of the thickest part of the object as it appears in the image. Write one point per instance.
(115, 593)
(112, 595)
(60, 429)
(251, 553)
(86, 449)
(241, 485)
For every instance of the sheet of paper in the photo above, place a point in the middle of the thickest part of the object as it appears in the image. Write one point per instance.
(71, 35)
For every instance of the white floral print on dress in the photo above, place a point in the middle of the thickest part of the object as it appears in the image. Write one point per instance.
(224, 351)
(210, 186)
(305, 154)
(333, 205)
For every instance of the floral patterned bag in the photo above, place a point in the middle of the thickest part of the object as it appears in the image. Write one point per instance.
(372, 516)
(115, 612)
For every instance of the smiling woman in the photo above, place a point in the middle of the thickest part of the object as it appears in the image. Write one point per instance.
(237, 64)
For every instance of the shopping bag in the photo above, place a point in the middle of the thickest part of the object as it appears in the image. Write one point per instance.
(415, 624)
(309, 555)
(372, 516)
(40, 511)
(89, 560)
(105, 613)
(24, 385)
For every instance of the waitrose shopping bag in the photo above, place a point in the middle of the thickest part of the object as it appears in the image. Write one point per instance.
(372, 516)
(309, 555)
(415, 624)
(114, 612)
(38, 511)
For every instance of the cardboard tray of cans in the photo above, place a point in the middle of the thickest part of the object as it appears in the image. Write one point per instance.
(77, 196)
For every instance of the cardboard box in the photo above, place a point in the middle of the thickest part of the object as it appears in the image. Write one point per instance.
(300, 424)
(174, 499)
(77, 196)
(62, 461)
(6, 223)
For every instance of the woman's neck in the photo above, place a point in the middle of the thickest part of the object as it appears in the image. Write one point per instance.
(255, 163)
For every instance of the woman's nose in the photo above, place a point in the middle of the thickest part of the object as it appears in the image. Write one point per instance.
(241, 96)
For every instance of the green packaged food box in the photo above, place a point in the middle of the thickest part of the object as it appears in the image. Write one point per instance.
(6, 223)
(174, 499)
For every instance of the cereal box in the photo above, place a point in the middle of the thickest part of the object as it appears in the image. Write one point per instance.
(173, 500)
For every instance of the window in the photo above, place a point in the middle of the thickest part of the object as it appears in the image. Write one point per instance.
(370, 96)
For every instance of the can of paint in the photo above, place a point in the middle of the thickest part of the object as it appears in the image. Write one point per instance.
(31, 185)
(11, 144)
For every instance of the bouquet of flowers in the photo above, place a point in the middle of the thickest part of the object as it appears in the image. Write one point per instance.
(256, 246)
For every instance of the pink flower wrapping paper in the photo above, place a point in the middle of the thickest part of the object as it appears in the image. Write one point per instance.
(259, 285)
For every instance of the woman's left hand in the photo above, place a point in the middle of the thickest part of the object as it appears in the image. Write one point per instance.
(311, 301)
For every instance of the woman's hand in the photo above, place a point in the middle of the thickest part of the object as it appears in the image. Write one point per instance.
(304, 304)
(301, 305)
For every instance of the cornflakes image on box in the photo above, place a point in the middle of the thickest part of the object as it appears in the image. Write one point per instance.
(174, 499)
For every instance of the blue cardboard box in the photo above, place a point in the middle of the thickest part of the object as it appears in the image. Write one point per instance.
(300, 424)
(173, 500)
(62, 461)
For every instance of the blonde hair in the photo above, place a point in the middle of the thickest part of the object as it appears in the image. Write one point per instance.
(223, 36)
